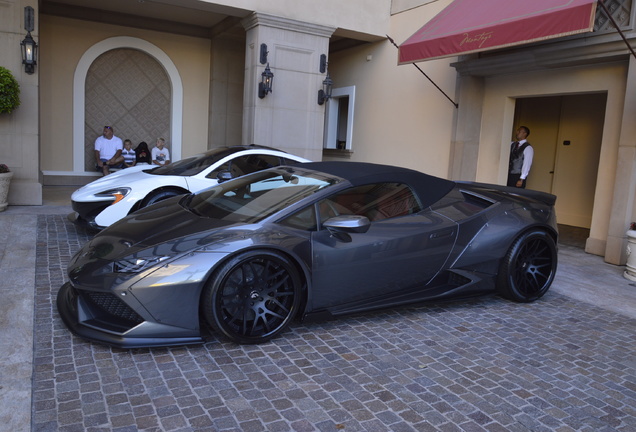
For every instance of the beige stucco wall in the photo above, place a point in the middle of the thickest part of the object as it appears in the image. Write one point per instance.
(498, 116)
(400, 117)
(398, 6)
(19, 130)
(64, 41)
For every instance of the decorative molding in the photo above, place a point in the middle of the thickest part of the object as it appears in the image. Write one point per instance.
(274, 21)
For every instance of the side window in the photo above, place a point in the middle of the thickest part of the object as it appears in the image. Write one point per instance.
(246, 164)
(304, 219)
(240, 166)
(376, 201)
(253, 163)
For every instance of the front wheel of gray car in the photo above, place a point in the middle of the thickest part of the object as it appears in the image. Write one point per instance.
(528, 269)
(253, 297)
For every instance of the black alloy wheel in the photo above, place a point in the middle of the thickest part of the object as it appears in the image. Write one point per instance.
(528, 269)
(253, 297)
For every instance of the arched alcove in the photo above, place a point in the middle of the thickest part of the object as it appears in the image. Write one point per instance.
(125, 50)
(128, 90)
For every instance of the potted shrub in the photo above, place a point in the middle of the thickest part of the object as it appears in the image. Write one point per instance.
(5, 181)
(9, 100)
(9, 91)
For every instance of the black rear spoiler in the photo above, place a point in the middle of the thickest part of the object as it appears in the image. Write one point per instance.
(484, 188)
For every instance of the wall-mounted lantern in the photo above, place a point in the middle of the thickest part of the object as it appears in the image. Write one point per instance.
(265, 86)
(28, 45)
(325, 92)
(267, 77)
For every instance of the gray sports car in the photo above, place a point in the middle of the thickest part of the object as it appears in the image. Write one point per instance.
(246, 257)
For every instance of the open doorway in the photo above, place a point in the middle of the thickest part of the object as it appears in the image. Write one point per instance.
(566, 134)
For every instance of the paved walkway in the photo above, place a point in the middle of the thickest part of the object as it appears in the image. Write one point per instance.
(564, 363)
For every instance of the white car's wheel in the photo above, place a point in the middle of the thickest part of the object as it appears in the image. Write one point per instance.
(155, 197)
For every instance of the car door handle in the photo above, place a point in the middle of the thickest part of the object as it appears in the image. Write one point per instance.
(441, 234)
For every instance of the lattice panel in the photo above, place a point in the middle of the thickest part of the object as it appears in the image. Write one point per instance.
(130, 91)
(620, 10)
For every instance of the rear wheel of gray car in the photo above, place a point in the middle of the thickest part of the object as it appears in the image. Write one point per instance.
(253, 297)
(528, 269)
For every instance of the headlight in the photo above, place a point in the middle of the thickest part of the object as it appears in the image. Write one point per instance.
(135, 265)
(117, 194)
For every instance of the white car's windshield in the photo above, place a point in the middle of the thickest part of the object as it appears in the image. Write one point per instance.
(254, 197)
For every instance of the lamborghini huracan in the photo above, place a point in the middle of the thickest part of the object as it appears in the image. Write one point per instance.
(242, 259)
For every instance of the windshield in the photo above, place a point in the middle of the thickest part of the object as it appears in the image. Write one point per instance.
(256, 196)
(193, 165)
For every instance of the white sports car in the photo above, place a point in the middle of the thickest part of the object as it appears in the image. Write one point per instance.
(105, 201)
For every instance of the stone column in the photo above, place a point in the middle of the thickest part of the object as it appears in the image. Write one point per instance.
(622, 213)
(465, 145)
(19, 131)
(289, 118)
(226, 91)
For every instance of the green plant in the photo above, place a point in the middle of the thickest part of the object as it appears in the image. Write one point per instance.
(9, 91)
(4, 169)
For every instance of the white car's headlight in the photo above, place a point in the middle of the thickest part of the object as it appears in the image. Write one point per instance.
(117, 194)
(136, 265)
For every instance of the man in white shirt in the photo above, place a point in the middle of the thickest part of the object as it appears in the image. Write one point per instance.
(108, 151)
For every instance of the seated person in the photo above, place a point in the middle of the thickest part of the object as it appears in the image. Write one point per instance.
(142, 154)
(129, 154)
(108, 150)
(160, 154)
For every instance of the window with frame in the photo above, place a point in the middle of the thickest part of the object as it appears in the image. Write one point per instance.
(339, 119)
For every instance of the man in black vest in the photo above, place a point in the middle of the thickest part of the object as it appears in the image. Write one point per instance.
(521, 154)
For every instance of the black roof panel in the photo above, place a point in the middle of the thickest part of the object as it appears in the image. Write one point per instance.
(429, 188)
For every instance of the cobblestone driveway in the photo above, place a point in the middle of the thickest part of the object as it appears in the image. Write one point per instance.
(479, 365)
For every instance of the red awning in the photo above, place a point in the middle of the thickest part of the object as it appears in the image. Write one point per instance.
(468, 26)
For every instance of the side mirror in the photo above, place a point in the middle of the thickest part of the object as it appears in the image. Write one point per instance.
(348, 224)
(224, 176)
